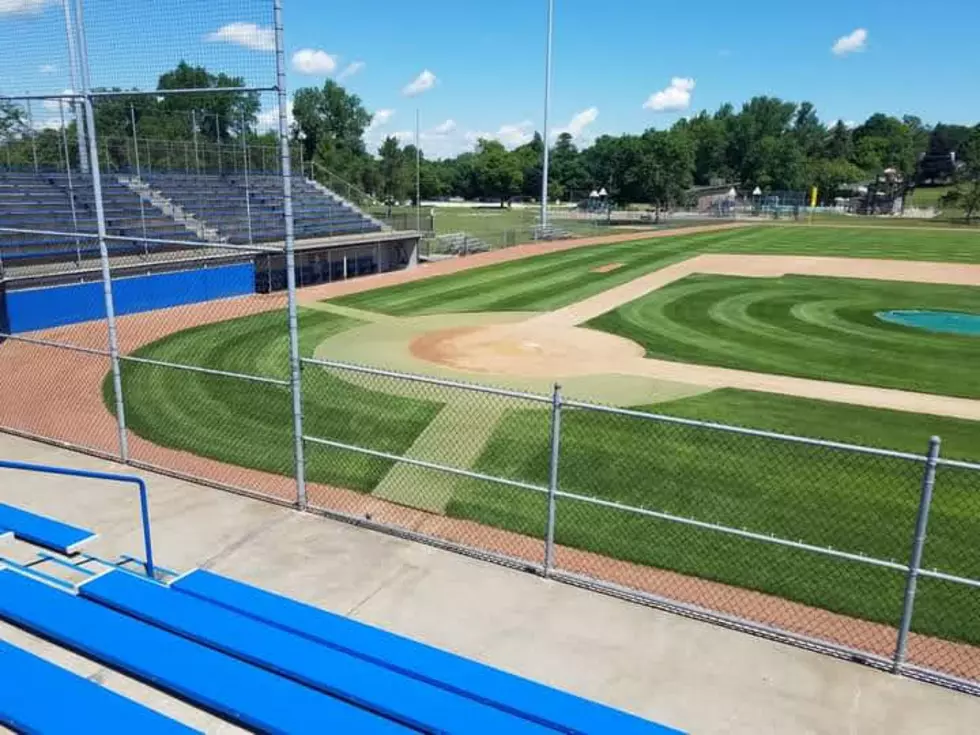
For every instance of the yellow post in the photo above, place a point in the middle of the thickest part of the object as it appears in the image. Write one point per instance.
(813, 201)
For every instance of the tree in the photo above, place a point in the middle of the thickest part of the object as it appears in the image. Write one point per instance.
(394, 171)
(497, 171)
(830, 176)
(531, 160)
(330, 125)
(666, 168)
(808, 131)
(966, 195)
(567, 171)
(840, 143)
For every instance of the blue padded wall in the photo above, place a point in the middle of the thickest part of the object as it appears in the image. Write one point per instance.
(53, 306)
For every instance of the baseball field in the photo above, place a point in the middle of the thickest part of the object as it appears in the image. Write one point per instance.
(776, 328)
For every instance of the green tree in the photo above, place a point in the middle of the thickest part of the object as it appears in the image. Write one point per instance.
(394, 171)
(497, 171)
(567, 172)
(966, 195)
(666, 168)
(830, 175)
(330, 125)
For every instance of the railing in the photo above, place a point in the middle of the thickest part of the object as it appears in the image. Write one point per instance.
(109, 477)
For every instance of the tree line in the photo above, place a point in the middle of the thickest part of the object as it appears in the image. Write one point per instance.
(769, 143)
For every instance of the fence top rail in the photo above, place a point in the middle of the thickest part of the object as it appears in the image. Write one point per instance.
(428, 380)
(190, 244)
(958, 463)
(824, 443)
(59, 345)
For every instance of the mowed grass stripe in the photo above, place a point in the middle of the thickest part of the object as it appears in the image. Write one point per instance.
(250, 424)
(535, 284)
(857, 503)
(756, 324)
(554, 280)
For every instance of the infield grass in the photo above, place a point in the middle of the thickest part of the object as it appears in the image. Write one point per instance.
(810, 327)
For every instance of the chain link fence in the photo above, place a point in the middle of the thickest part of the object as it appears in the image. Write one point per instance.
(113, 172)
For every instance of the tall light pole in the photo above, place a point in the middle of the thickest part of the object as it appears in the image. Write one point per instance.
(418, 170)
(547, 105)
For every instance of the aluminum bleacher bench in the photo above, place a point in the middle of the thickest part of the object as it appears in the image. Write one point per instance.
(510, 693)
(406, 699)
(244, 694)
(38, 697)
(43, 531)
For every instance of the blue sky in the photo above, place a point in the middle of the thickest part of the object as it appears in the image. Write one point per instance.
(486, 59)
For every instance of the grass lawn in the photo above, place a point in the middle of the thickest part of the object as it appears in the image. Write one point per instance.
(823, 497)
(828, 498)
(821, 328)
(558, 279)
(927, 196)
(250, 424)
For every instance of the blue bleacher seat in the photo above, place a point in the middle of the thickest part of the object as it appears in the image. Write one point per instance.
(245, 694)
(508, 692)
(404, 698)
(43, 531)
(38, 697)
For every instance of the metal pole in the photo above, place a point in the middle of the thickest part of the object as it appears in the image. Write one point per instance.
(287, 205)
(73, 77)
(547, 106)
(187, 166)
(139, 176)
(248, 204)
(71, 187)
(197, 159)
(418, 170)
(30, 127)
(217, 137)
(103, 251)
(915, 561)
(549, 543)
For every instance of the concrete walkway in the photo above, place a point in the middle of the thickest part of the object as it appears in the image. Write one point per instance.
(691, 675)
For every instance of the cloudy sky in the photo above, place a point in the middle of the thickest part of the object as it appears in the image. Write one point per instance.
(476, 69)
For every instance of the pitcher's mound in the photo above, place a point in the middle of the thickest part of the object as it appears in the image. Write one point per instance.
(520, 349)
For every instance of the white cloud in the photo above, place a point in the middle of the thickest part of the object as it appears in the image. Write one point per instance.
(19, 7)
(511, 134)
(403, 136)
(578, 125)
(268, 120)
(355, 67)
(379, 119)
(852, 43)
(673, 98)
(422, 83)
(314, 61)
(51, 105)
(249, 35)
(46, 68)
(444, 128)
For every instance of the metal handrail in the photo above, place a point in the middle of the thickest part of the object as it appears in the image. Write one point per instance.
(109, 476)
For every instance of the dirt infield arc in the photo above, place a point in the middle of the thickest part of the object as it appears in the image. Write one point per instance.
(39, 383)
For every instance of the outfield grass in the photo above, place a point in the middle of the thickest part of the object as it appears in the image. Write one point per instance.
(821, 328)
(558, 279)
(827, 498)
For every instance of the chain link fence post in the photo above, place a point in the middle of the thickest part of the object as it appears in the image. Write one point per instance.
(549, 542)
(915, 560)
(93, 144)
(295, 376)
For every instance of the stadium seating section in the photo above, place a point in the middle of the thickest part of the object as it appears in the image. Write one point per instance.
(254, 658)
(54, 203)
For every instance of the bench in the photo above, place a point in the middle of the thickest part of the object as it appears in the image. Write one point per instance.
(246, 695)
(403, 698)
(482, 683)
(37, 696)
(43, 531)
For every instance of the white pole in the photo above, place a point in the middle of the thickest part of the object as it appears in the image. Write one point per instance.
(139, 177)
(76, 105)
(547, 105)
(418, 171)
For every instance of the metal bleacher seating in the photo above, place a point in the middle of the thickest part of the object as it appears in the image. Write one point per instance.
(252, 657)
(45, 201)
(219, 201)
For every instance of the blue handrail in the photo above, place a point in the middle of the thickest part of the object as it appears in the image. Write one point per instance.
(111, 477)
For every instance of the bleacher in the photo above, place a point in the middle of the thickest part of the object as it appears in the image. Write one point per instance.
(45, 201)
(249, 656)
(219, 201)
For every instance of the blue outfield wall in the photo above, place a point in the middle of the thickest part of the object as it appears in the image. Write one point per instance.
(53, 306)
